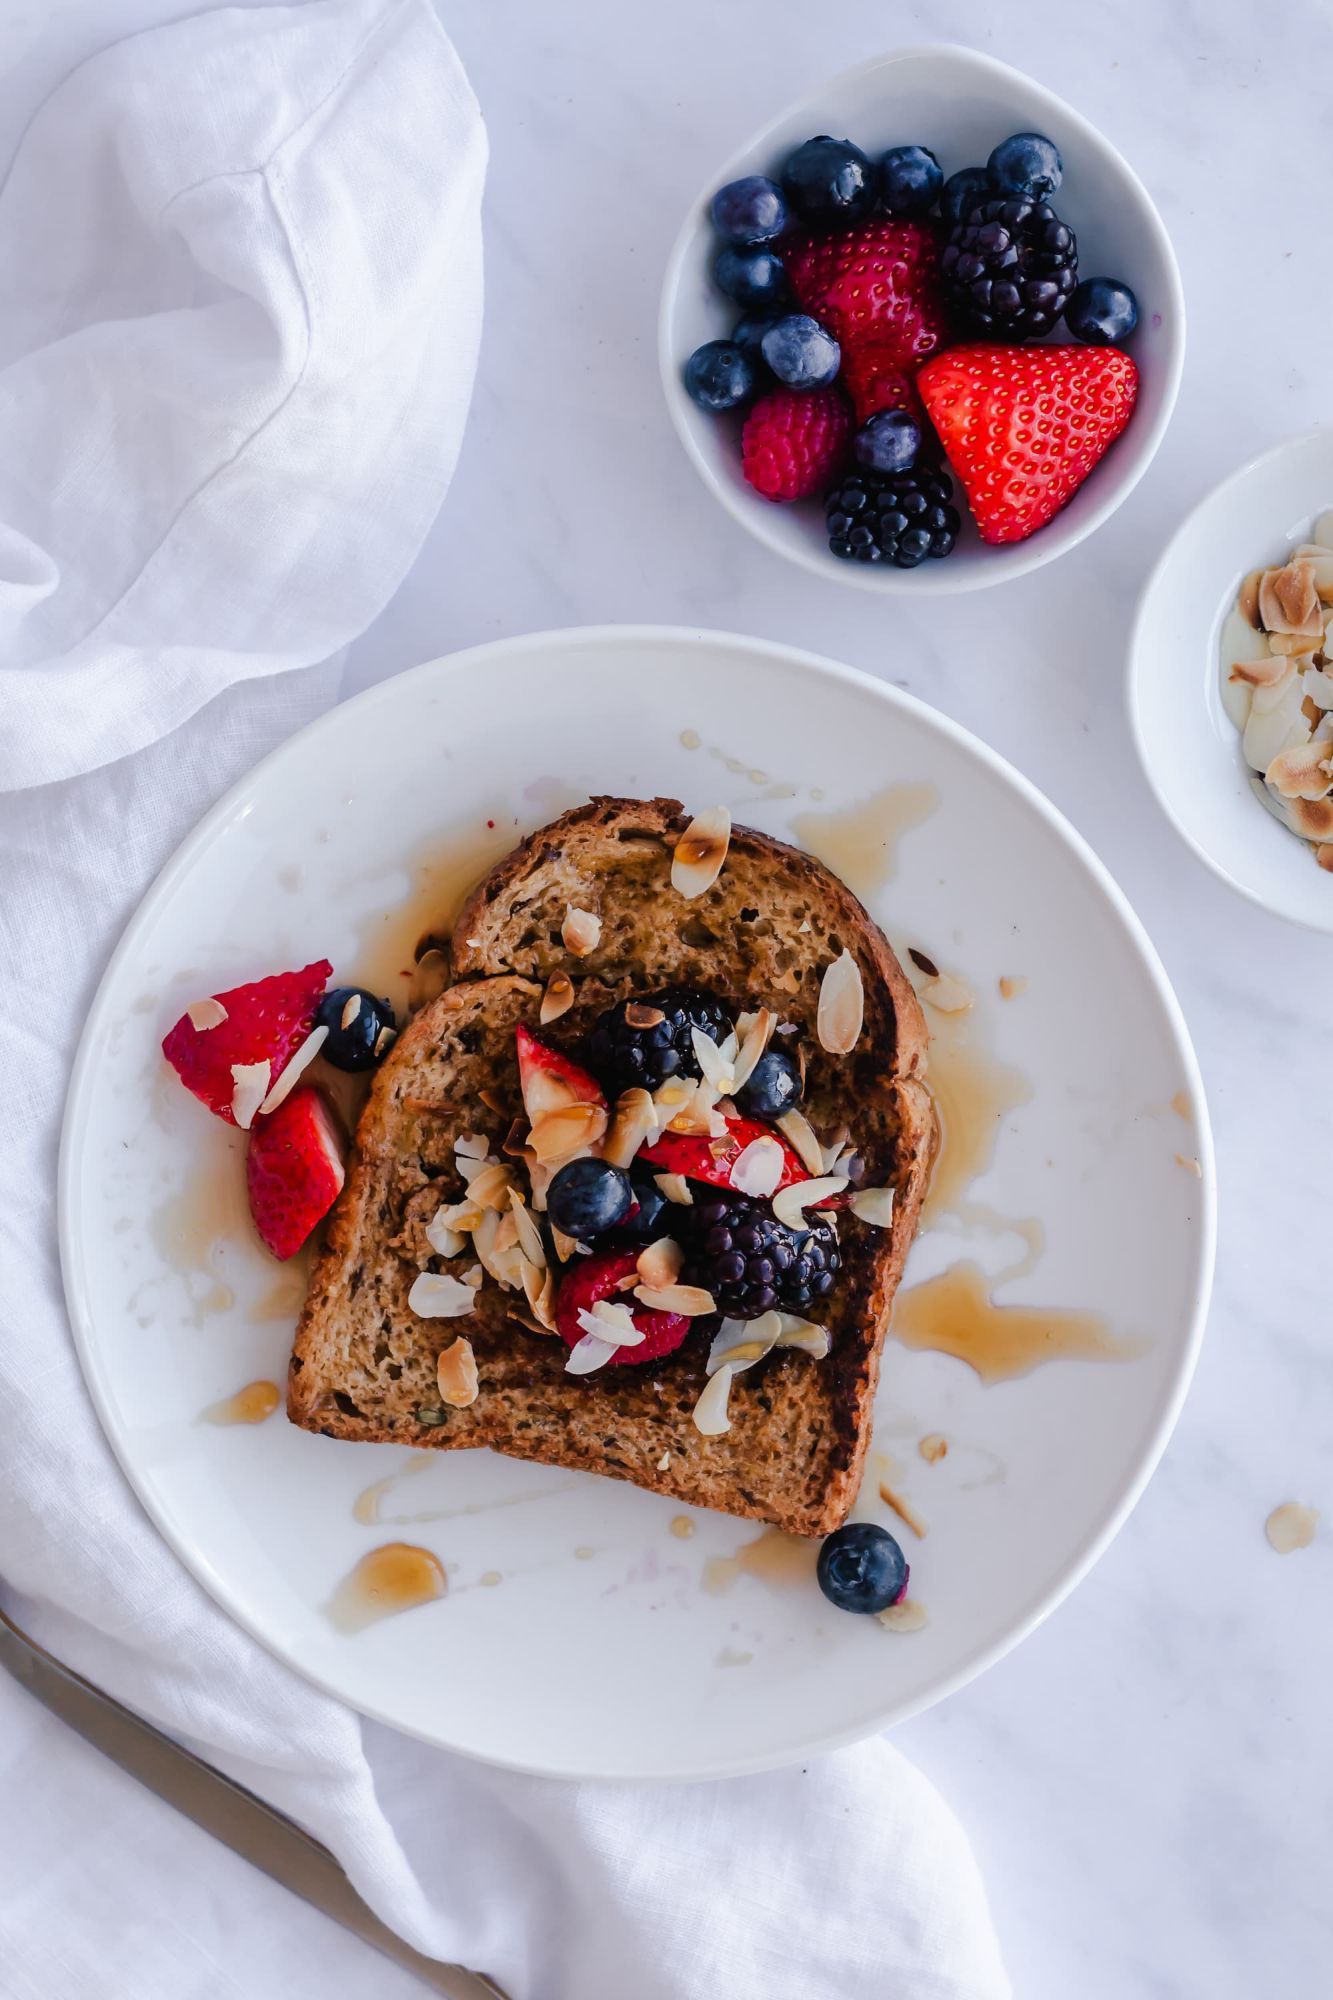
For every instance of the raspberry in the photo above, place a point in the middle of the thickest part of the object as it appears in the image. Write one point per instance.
(793, 444)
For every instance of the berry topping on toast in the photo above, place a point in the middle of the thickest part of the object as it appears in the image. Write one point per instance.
(264, 1021)
(293, 1170)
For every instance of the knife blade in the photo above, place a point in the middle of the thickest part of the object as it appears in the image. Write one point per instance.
(256, 1831)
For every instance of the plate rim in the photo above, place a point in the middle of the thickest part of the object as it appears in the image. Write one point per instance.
(1149, 1452)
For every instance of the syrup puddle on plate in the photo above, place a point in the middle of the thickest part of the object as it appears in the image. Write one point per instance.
(783, 1561)
(395, 1578)
(192, 1229)
(250, 1405)
(443, 872)
(974, 1093)
(368, 1507)
(956, 1314)
(860, 843)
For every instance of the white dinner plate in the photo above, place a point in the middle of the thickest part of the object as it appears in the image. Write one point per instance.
(582, 1633)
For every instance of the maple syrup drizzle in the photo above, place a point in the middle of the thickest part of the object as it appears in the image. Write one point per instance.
(250, 1405)
(974, 1092)
(775, 1558)
(861, 842)
(954, 1313)
(395, 1578)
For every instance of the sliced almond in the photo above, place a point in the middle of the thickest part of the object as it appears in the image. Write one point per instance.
(1247, 600)
(539, 1290)
(803, 1334)
(842, 1005)
(674, 1187)
(506, 1236)
(385, 1040)
(1324, 856)
(430, 976)
(443, 1240)
(800, 1135)
(660, 1263)
(699, 854)
(714, 1064)
(633, 1120)
(205, 1014)
(559, 1135)
(947, 994)
(758, 1168)
(1289, 602)
(790, 1204)
(439, 1295)
(589, 1353)
(710, 1412)
(250, 1082)
(351, 1008)
(694, 1099)
(1318, 688)
(933, 1446)
(456, 1374)
(557, 999)
(528, 1232)
(1268, 672)
(490, 1188)
(502, 1266)
(1302, 773)
(753, 1034)
(637, 1016)
(515, 1142)
(690, 1300)
(472, 1146)
(581, 931)
(904, 1616)
(292, 1071)
(565, 1246)
(462, 1215)
(739, 1343)
(609, 1320)
(873, 1205)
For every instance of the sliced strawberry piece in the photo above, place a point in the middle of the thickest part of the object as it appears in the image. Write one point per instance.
(589, 1279)
(265, 1021)
(698, 1158)
(549, 1080)
(1024, 426)
(293, 1170)
(877, 289)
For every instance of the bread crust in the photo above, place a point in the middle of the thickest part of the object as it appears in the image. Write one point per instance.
(363, 1364)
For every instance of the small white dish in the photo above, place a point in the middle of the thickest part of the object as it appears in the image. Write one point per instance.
(960, 104)
(583, 1633)
(1189, 747)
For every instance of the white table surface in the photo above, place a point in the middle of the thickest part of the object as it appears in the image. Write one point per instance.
(1146, 1781)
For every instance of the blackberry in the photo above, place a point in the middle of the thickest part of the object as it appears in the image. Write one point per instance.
(628, 1047)
(739, 1251)
(893, 517)
(1009, 266)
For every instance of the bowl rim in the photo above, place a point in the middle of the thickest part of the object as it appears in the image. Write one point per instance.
(1233, 480)
(1018, 558)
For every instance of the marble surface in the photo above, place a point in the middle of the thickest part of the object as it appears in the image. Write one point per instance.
(1146, 1780)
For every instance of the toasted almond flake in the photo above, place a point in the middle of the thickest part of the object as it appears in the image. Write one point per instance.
(574, 1128)
(700, 852)
(506, 1236)
(539, 1290)
(515, 1142)
(715, 1066)
(293, 1069)
(494, 1102)
(472, 1146)
(527, 1322)
(250, 1083)
(1190, 1164)
(633, 1120)
(430, 976)
(529, 1234)
(873, 1205)
(385, 1040)
(557, 999)
(581, 931)
(589, 1353)
(443, 1240)
(947, 994)
(473, 1276)
(1289, 602)
(608, 1320)
(903, 1508)
(490, 1188)
(1323, 854)
(1247, 598)
(484, 1241)
(754, 1033)
(659, 1264)
(674, 1187)
(739, 1343)
(803, 1334)
(1318, 686)
(637, 1016)
(439, 1295)
(351, 1008)
(565, 1246)
(933, 1447)
(469, 1168)
(710, 1412)
(205, 1014)
(456, 1374)
(904, 1616)
(757, 1169)
(696, 1098)
(1011, 985)
(798, 1131)
(790, 1204)
(664, 1461)
(841, 1006)
(1268, 672)
(691, 1300)
(1302, 773)
(804, 928)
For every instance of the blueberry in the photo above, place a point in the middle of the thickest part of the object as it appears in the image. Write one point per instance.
(1102, 311)
(751, 275)
(647, 1219)
(749, 211)
(1026, 164)
(829, 181)
(910, 180)
(861, 1568)
(962, 192)
(588, 1197)
(719, 375)
(360, 1024)
(748, 332)
(888, 442)
(800, 353)
(773, 1086)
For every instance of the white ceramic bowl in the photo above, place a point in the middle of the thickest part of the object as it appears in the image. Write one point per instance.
(960, 104)
(1189, 747)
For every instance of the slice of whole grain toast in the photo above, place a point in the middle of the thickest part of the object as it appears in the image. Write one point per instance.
(364, 1364)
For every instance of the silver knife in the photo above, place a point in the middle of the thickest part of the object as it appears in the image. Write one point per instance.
(265, 1838)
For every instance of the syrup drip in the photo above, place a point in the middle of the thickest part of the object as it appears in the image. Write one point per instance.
(391, 1579)
(955, 1314)
(860, 844)
(780, 1560)
(249, 1405)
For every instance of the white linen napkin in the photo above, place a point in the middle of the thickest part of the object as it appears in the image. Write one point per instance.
(243, 264)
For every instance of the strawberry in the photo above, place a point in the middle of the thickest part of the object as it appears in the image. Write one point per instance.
(877, 289)
(599, 1277)
(699, 1158)
(794, 442)
(264, 1021)
(874, 387)
(1024, 426)
(548, 1080)
(293, 1170)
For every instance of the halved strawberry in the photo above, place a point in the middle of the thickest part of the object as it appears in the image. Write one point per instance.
(877, 289)
(293, 1170)
(1024, 426)
(549, 1080)
(588, 1279)
(265, 1021)
(698, 1158)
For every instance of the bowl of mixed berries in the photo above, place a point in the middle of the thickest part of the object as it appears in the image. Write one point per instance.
(926, 330)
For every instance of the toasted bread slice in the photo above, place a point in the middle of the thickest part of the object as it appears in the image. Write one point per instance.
(364, 1364)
